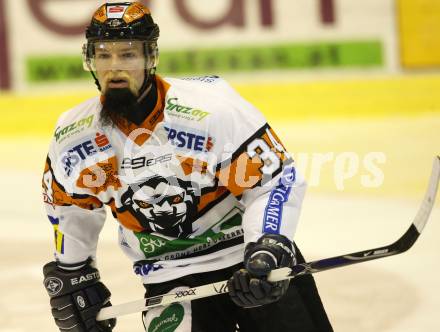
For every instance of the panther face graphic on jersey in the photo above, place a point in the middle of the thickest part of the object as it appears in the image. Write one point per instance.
(164, 205)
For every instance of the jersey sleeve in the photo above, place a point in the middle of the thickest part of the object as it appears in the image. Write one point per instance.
(254, 165)
(77, 217)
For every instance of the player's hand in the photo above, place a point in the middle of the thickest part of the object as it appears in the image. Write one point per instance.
(249, 287)
(76, 297)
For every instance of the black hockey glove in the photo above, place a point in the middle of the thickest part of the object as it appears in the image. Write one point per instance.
(249, 287)
(76, 298)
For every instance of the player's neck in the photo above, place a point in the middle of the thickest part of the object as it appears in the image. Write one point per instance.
(146, 104)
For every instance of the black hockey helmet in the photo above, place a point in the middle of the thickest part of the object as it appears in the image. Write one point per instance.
(122, 20)
(128, 22)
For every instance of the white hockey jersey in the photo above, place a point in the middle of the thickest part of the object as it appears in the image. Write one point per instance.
(203, 175)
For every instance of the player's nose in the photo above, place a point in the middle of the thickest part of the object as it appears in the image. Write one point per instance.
(115, 63)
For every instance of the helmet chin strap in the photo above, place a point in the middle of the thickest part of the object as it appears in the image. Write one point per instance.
(147, 84)
(146, 91)
(96, 80)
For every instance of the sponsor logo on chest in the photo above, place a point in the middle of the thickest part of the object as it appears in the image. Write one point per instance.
(61, 133)
(135, 163)
(81, 151)
(189, 139)
(173, 108)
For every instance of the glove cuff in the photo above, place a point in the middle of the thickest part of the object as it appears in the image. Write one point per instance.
(75, 266)
(59, 281)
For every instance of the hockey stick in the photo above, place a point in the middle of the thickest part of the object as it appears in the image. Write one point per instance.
(398, 247)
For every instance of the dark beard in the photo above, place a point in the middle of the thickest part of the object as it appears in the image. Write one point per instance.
(118, 107)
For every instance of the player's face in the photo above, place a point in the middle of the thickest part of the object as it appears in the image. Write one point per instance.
(120, 65)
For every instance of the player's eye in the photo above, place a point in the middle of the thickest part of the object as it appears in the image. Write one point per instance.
(142, 204)
(128, 55)
(177, 199)
(103, 56)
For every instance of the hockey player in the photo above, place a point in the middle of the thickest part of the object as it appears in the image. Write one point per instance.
(200, 184)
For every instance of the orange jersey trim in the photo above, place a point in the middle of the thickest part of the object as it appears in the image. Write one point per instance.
(211, 197)
(126, 218)
(56, 195)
